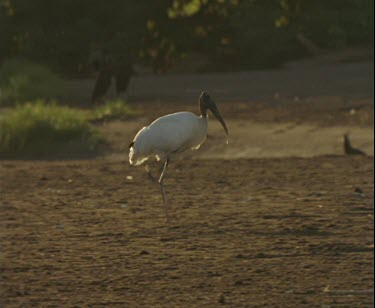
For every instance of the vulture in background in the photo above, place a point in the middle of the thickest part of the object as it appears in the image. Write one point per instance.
(108, 70)
(349, 150)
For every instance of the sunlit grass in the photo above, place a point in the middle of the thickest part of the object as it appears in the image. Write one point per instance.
(44, 129)
(116, 109)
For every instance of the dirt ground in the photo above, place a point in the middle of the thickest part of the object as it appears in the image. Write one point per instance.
(277, 218)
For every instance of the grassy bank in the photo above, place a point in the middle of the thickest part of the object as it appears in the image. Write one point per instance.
(40, 129)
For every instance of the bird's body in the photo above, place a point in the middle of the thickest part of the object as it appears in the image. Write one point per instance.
(121, 75)
(172, 134)
(349, 149)
(168, 135)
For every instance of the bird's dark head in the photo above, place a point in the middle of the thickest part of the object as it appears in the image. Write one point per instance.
(205, 102)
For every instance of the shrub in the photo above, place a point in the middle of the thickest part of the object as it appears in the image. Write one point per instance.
(42, 129)
(22, 80)
(265, 36)
(116, 109)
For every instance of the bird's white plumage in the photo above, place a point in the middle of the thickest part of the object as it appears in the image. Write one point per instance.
(167, 135)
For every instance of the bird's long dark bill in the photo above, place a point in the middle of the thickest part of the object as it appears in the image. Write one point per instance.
(218, 116)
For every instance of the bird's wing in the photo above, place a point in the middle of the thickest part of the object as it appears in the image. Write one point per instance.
(171, 133)
(167, 135)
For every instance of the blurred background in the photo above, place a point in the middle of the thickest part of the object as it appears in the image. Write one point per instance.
(216, 35)
(107, 55)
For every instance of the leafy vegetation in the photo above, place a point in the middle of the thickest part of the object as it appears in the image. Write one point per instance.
(74, 36)
(111, 110)
(22, 80)
(41, 129)
(236, 33)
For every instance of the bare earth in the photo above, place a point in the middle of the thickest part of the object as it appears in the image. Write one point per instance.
(278, 218)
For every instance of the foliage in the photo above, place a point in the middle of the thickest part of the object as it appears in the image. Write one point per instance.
(65, 34)
(116, 109)
(43, 129)
(259, 44)
(22, 80)
(334, 23)
(266, 32)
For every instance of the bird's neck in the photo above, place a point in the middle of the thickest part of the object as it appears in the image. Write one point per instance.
(203, 109)
(347, 143)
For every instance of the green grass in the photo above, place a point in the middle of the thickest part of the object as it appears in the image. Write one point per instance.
(111, 110)
(39, 129)
(22, 81)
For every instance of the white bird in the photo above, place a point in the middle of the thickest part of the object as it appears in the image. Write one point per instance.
(172, 134)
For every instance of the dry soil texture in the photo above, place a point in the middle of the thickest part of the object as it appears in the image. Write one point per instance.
(288, 232)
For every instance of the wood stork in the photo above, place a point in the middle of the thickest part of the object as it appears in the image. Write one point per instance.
(172, 134)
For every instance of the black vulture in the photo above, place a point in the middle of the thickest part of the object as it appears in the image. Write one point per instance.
(121, 73)
(102, 85)
(349, 150)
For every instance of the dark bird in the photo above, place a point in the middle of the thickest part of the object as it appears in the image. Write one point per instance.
(102, 85)
(121, 71)
(349, 150)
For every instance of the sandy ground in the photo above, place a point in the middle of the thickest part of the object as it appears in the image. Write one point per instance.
(278, 218)
(286, 232)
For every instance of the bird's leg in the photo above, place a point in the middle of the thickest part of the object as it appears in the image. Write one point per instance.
(147, 168)
(164, 170)
(161, 182)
